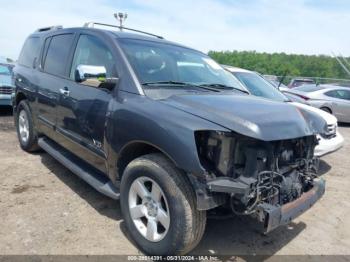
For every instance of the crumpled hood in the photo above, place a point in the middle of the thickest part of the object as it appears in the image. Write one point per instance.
(251, 116)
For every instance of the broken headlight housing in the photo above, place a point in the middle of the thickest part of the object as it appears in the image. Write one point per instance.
(215, 150)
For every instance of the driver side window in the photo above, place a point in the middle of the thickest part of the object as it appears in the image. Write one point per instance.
(91, 51)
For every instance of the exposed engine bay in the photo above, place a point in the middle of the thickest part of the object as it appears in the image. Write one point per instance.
(257, 176)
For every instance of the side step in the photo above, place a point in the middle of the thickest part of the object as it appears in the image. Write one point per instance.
(80, 168)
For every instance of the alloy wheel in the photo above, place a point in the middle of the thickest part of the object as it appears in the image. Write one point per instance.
(149, 209)
(23, 126)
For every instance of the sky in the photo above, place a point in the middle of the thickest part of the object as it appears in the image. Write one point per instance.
(290, 26)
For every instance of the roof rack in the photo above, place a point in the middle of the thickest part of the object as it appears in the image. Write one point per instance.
(92, 24)
(55, 27)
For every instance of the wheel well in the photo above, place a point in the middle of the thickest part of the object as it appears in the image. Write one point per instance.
(326, 108)
(20, 97)
(133, 151)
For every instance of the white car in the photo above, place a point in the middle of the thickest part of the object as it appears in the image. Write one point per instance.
(256, 85)
(330, 141)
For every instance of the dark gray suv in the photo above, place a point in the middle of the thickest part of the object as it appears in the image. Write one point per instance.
(166, 130)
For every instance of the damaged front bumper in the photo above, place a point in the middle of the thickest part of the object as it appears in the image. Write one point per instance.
(275, 216)
(271, 216)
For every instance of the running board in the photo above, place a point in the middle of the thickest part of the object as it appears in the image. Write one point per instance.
(80, 168)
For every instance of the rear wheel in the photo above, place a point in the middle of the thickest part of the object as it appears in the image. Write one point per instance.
(159, 207)
(25, 129)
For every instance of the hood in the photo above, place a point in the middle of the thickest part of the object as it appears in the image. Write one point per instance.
(251, 116)
(329, 118)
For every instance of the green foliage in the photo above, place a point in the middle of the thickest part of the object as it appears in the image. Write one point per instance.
(281, 63)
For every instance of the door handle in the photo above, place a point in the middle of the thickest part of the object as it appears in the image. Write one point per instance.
(64, 91)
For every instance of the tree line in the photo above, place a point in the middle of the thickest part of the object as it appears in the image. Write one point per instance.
(280, 63)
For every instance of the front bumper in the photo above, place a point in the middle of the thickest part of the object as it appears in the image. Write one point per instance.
(327, 146)
(275, 216)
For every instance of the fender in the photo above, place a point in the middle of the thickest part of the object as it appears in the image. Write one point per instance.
(133, 121)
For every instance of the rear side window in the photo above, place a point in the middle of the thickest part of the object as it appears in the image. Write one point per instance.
(29, 51)
(57, 54)
(331, 94)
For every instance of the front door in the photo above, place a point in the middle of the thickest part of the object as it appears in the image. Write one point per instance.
(83, 105)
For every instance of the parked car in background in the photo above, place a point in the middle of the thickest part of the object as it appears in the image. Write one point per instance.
(295, 82)
(6, 84)
(277, 83)
(257, 85)
(284, 89)
(165, 129)
(330, 98)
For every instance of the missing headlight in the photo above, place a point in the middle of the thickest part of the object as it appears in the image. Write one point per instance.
(215, 150)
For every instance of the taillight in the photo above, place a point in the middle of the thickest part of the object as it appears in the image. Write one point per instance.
(303, 97)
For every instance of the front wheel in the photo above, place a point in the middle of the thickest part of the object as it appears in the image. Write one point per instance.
(159, 207)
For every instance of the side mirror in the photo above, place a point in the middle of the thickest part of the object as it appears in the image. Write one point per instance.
(95, 76)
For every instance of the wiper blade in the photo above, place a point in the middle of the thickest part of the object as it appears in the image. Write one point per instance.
(210, 87)
(177, 83)
(165, 83)
(225, 87)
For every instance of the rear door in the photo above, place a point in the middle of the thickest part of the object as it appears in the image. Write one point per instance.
(82, 110)
(53, 71)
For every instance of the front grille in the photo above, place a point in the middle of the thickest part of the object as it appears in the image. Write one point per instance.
(331, 131)
(5, 90)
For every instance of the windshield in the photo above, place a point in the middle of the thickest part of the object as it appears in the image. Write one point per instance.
(5, 70)
(258, 86)
(162, 63)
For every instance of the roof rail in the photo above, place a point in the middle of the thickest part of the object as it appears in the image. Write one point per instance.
(92, 24)
(43, 29)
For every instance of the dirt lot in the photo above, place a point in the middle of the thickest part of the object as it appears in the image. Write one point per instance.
(45, 209)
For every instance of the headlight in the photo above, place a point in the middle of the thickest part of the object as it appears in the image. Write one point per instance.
(331, 131)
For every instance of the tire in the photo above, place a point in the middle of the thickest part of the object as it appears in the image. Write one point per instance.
(24, 125)
(326, 109)
(178, 200)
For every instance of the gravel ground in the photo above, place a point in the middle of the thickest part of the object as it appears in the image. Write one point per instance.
(45, 209)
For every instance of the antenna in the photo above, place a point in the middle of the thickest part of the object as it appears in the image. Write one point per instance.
(121, 17)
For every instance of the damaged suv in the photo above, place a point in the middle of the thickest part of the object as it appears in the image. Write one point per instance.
(166, 130)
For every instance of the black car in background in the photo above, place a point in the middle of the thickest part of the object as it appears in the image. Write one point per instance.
(295, 82)
(166, 130)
